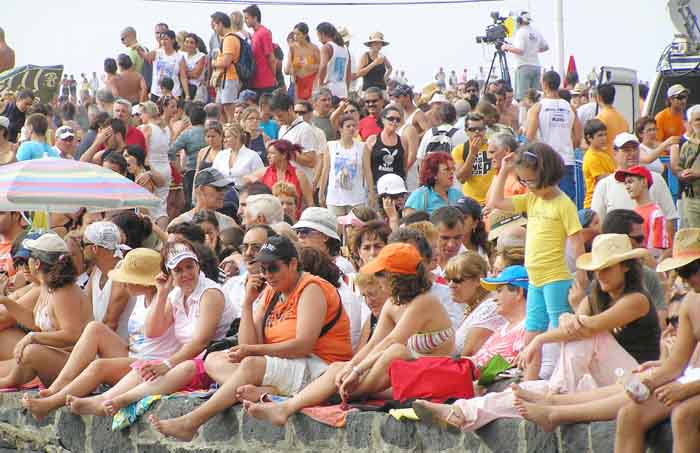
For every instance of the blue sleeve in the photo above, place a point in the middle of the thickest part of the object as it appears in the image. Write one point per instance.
(24, 152)
(177, 146)
(415, 200)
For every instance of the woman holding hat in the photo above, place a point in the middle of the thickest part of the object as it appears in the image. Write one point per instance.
(101, 356)
(59, 316)
(412, 323)
(615, 327)
(197, 312)
(374, 68)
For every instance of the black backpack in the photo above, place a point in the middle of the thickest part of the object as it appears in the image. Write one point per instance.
(441, 141)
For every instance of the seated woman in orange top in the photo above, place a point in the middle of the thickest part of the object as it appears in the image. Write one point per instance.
(298, 330)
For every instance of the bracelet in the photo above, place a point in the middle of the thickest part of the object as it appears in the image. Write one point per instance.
(168, 364)
(357, 371)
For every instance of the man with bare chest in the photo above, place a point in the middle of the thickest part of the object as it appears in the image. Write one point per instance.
(129, 84)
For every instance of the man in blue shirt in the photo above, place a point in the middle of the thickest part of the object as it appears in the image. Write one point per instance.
(36, 147)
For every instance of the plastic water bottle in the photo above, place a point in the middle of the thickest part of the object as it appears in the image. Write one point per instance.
(633, 385)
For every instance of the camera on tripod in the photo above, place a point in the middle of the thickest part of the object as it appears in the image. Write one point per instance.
(495, 33)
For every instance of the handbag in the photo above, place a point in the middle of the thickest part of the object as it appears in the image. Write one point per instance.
(432, 378)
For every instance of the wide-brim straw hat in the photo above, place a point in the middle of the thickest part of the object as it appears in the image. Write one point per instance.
(500, 221)
(608, 250)
(686, 249)
(376, 37)
(140, 267)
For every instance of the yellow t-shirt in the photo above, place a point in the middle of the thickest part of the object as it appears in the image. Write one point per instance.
(615, 122)
(596, 164)
(478, 184)
(549, 224)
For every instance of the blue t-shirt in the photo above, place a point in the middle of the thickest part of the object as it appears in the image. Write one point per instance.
(270, 128)
(35, 150)
(426, 199)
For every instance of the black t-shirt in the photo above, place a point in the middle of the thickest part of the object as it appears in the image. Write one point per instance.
(16, 117)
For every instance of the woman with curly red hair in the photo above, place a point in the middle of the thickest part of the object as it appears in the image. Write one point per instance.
(436, 178)
(280, 154)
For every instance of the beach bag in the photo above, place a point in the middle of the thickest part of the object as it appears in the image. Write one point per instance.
(432, 378)
(441, 141)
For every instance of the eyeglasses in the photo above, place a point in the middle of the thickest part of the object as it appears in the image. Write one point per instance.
(271, 268)
(476, 129)
(672, 320)
(393, 119)
(254, 248)
(304, 232)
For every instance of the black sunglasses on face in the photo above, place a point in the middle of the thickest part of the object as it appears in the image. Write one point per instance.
(271, 268)
(681, 97)
(393, 119)
(476, 129)
(672, 320)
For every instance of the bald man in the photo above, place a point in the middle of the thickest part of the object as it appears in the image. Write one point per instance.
(128, 39)
(7, 55)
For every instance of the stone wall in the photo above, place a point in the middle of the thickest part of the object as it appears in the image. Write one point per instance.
(233, 431)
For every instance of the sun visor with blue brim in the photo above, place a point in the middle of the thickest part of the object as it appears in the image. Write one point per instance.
(511, 275)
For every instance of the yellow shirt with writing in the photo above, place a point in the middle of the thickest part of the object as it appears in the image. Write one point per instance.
(477, 186)
(549, 224)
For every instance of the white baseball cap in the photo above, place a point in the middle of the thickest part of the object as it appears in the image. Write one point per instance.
(675, 90)
(106, 235)
(391, 184)
(438, 97)
(623, 138)
(179, 253)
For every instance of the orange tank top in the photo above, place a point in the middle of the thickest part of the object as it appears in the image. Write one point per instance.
(281, 324)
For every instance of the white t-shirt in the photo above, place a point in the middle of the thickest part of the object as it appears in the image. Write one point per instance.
(303, 134)
(246, 163)
(654, 165)
(611, 194)
(586, 112)
(166, 66)
(485, 316)
(146, 348)
(556, 121)
(346, 185)
(191, 62)
(530, 41)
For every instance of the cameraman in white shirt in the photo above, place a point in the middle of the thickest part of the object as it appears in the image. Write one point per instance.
(527, 43)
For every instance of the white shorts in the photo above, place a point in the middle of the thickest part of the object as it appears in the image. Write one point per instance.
(229, 93)
(289, 376)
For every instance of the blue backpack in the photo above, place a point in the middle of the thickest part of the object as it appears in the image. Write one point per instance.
(245, 66)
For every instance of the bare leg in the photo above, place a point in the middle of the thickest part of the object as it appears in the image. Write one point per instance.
(37, 360)
(171, 382)
(549, 417)
(634, 420)
(96, 339)
(250, 371)
(107, 371)
(252, 393)
(8, 339)
(101, 404)
(315, 393)
(532, 372)
(565, 398)
(444, 415)
(685, 420)
(377, 378)
(218, 367)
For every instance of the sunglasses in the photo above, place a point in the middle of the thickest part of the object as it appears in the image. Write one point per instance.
(394, 196)
(527, 182)
(456, 281)
(476, 129)
(681, 97)
(271, 268)
(305, 232)
(393, 119)
(672, 320)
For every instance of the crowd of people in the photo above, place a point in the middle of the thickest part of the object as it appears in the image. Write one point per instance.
(309, 236)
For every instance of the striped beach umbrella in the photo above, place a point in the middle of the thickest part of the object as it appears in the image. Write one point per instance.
(66, 185)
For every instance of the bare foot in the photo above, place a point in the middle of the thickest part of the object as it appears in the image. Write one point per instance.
(38, 407)
(536, 413)
(45, 393)
(270, 412)
(178, 428)
(249, 392)
(85, 406)
(528, 395)
(444, 415)
(111, 407)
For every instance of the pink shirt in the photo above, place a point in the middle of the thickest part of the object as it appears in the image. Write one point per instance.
(655, 234)
(264, 76)
(506, 341)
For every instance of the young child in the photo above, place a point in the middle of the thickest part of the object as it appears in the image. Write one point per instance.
(597, 161)
(552, 219)
(166, 87)
(638, 181)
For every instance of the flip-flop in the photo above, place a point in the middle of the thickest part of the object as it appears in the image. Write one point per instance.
(429, 417)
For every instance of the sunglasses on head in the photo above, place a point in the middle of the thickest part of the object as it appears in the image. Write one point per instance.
(672, 320)
(269, 268)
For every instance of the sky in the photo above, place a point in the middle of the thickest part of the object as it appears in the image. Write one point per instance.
(80, 33)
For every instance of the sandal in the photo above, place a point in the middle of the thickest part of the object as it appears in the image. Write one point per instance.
(425, 414)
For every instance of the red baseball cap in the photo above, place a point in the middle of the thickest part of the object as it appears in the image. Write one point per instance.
(637, 170)
(397, 258)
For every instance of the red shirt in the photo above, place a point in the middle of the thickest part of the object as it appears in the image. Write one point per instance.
(368, 126)
(655, 234)
(290, 175)
(264, 76)
(135, 137)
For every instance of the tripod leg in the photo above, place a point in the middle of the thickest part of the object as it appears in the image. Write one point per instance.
(488, 77)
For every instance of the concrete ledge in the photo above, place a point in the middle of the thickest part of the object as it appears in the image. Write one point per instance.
(233, 431)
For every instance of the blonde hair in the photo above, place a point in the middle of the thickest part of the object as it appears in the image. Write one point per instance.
(236, 21)
(284, 189)
(512, 256)
(364, 281)
(235, 129)
(427, 229)
(468, 265)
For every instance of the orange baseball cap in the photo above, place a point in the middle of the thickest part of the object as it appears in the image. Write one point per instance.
(398, 258)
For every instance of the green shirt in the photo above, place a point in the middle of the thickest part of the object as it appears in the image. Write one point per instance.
(135, 58)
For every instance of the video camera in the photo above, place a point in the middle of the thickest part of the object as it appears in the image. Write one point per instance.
(495, 33)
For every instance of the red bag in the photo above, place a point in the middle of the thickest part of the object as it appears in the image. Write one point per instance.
(432, 378)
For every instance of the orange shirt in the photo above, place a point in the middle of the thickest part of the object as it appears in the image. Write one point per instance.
(281, 325)
(614, 121)
(6, 258)
(232, 46)
(668, 124)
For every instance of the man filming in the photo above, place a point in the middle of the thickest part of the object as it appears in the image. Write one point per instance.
(527, 43)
